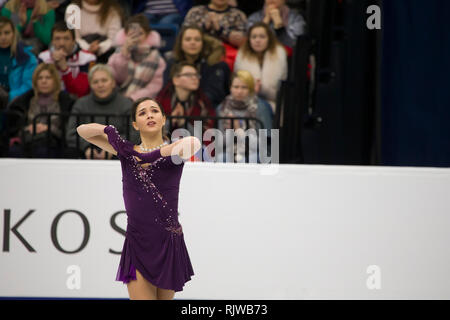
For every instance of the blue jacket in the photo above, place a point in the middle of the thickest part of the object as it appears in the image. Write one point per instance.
(23, 65)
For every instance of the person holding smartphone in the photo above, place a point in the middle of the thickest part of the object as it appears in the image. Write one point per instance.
(137, 64)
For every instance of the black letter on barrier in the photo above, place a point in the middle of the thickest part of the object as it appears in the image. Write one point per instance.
(116, 228)
(85, 236)
(6, 223)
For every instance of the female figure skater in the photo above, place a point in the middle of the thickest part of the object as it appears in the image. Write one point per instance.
(154, 261)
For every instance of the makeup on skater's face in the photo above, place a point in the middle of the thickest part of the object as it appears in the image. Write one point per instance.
(149, 116)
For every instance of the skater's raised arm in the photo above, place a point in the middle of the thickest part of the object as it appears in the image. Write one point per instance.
(185, 148)
(94, 133)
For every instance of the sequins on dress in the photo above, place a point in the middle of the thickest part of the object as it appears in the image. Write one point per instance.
(154, 242)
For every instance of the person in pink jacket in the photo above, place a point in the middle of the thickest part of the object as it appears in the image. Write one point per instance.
(137, 64)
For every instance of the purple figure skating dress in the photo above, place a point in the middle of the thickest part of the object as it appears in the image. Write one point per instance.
(154, 242)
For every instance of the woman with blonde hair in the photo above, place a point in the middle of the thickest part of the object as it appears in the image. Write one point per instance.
(243, 102)
(34, 19)
(45, 97)
(17, 61)
(265, 58)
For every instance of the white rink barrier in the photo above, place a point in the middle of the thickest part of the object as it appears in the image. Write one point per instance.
(252, 232)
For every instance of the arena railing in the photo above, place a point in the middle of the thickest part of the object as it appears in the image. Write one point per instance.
(71, 149)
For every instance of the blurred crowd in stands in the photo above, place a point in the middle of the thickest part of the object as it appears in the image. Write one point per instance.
(208, 59)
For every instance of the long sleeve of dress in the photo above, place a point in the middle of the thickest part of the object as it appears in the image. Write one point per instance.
(115, 140)
(125, 148)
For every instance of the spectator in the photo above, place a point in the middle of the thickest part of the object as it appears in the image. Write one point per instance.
(206, 53)
(183, 97)
(100, 22)
(286, 23)
(45, 97)
(103, 99)
(266, 60)
(34, 20)
(17, 61)
(165, 11)
(243, 102)
(219, 20)
(72, 62)
(137, 65)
